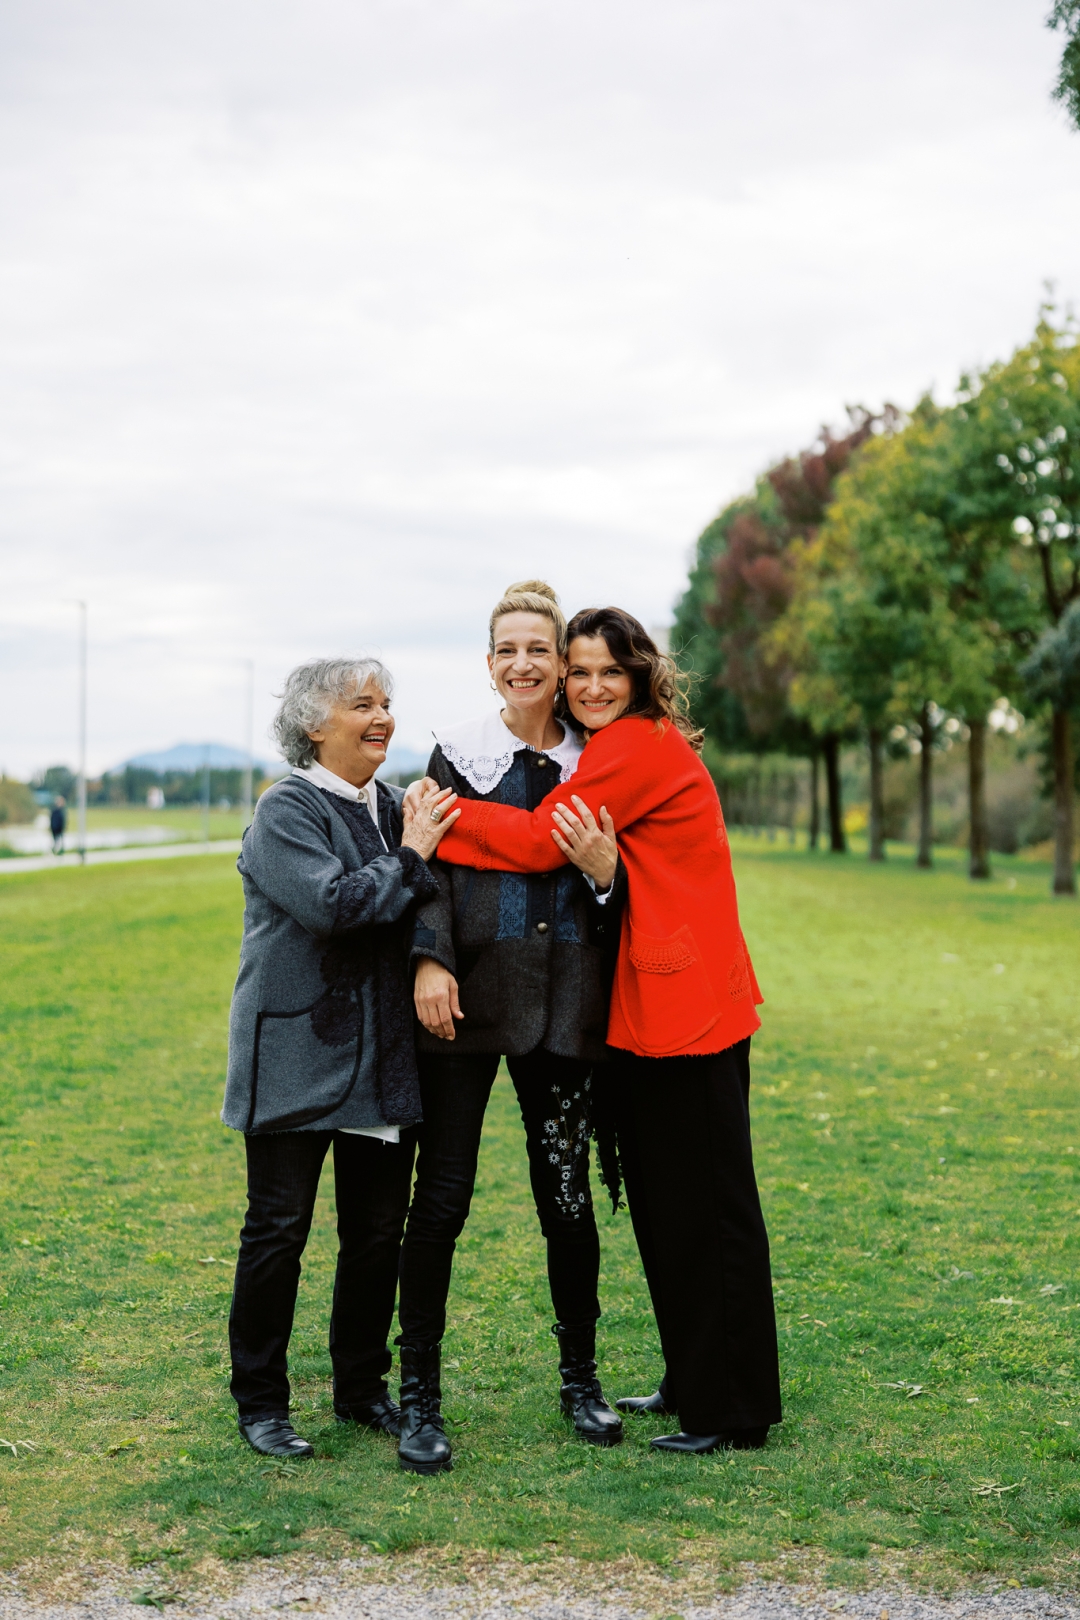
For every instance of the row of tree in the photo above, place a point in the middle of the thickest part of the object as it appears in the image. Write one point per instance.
(908, 571)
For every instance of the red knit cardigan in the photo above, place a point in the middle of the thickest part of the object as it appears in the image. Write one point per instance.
(684, 983)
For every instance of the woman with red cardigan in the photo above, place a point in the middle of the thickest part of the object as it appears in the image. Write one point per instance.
(682, 1014)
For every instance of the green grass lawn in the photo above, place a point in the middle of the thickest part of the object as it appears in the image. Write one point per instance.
(918, 1144)
(186, 820)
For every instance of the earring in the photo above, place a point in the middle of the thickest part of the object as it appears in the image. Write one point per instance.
(494, 688)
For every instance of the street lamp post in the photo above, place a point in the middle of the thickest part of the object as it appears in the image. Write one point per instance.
(81, 789)
(206, 795)
(249, 740)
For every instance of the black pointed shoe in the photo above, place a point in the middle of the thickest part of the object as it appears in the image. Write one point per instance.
(422, 1444)
(700, 1445)
(644, 1406)
(382, 1414)
(581, 1398)
(275, 1437)
(662, 1404)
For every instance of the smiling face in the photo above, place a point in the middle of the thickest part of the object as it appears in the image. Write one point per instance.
(526, 666)
(352, 740)
(598, 689)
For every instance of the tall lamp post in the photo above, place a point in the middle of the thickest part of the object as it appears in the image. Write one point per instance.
(206, 795)
(249, 740)
(81, 789)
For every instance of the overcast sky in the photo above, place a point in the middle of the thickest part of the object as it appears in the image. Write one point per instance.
(322, 322)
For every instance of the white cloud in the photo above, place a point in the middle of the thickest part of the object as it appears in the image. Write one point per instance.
(320, 324)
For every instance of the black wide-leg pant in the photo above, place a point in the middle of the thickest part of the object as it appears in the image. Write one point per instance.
(371, 1185)
(684, 1142)
(554, 1095)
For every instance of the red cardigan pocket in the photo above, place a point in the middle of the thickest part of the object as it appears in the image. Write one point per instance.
(667, 999)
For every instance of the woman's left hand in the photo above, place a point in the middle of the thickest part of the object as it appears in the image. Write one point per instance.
(590, 848)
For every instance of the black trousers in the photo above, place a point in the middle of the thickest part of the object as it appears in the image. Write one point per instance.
(553, 1094)
(371, 1182)
(684, 1142)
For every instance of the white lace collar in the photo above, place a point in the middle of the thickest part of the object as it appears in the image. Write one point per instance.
(482, 750)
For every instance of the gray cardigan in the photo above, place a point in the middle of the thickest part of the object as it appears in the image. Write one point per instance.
(320, 1033)
(533, 955)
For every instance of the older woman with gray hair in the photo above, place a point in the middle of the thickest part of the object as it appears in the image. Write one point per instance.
(321, 1041)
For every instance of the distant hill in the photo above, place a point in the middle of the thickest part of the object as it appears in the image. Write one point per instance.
(188, 757)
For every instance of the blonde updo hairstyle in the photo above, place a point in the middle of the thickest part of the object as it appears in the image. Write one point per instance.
(530, 596)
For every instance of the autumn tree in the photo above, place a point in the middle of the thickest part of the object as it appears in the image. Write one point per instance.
(740, 586)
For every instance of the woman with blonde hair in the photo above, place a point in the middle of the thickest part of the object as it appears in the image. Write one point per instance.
(683, 1009)
(510, 966)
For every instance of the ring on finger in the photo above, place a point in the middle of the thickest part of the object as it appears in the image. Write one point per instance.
(436, 814)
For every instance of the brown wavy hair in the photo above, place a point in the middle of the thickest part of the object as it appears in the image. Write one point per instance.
(661, 689)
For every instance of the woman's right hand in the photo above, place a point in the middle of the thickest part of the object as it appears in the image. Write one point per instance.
(435, 997)
(427, 820)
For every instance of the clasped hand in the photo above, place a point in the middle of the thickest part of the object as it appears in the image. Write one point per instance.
(422, 829)
(591, 848)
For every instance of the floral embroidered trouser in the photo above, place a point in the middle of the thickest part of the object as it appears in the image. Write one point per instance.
(553, 1094)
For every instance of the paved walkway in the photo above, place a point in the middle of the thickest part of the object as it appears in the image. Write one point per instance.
(104, 857)
(357, 1591)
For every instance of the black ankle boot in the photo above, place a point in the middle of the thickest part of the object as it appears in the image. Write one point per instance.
(422, 1447)
(581, 1397)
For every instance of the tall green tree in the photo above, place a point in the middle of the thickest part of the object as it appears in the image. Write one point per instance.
(1052, 674)
(1065, 15)
(1016, 495)
(982, 596)
(869, 629)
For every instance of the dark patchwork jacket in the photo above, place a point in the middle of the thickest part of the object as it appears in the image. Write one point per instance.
(321, 1027)
(533, 955)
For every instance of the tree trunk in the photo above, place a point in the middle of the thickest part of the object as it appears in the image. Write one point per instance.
(830, 747)
(1061, 733)
(979, 856)
(815, 799)
(926, 789)
(877, 796)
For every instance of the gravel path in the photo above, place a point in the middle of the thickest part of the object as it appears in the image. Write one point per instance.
(355, 1592)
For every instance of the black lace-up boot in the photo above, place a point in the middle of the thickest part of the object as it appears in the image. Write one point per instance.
(422, 1447)
(581, 1397)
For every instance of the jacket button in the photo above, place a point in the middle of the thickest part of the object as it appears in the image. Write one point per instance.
(541, 759)
(541, 928)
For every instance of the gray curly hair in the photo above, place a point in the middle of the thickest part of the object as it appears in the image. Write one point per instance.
(311, 692)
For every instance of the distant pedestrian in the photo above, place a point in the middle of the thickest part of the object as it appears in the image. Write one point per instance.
(58, 823)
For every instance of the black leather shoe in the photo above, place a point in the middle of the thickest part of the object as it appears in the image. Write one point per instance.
(581, 1398)
(644, 1405)
(275, 1437)
(382, 1414)
(699, 1445)
(422, 1444)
